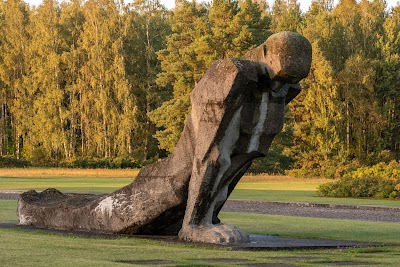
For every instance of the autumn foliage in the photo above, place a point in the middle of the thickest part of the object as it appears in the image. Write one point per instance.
(100, 80)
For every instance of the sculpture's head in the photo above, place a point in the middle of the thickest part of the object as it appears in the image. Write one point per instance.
(287, 57)
(284, 56)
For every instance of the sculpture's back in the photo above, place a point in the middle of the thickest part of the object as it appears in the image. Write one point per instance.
(237, 109)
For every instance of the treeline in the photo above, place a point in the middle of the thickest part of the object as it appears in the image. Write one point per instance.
(77, 79)
(103, 79)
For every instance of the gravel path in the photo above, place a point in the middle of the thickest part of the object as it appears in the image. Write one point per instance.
(345, 212)
(9, 195)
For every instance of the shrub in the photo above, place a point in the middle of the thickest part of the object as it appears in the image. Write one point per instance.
(39, 157)
(11, 162)
(331, 169)
(324, 169)
(389, 170)
(274, 163)
(343, 169)
(104, 163)
(375, 187)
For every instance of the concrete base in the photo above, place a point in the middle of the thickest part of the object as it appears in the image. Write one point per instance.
(256, 242)
(268, 242)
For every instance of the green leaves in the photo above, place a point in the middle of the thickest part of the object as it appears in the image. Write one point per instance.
(101, 78)
(200, 35)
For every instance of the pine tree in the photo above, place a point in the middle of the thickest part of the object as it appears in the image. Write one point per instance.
(347, 16)
(316, 114)
(224, 30)
(286, 16)
(182, 65)
(198, 37)
(254, 26)
(319, 113)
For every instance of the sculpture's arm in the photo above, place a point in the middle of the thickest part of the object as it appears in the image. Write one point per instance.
(294, 90)
(216, 115)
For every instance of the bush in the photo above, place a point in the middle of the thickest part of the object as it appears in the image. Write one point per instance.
(343, 169)
(39, 157)
(389, 170)
(374, 187)
(11, 162)
(104, 163)
(274, 163)
(331, 169)
(325, 169)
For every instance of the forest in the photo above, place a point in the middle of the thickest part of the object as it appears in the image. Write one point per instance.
(106, 82)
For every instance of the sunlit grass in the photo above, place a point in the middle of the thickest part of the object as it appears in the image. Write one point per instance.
(304, 196)
(64, 172)
(287, 226)
(65, 184)
(37, 248)
(8, 210)
(41, 249)
(302, 227)
(20, 248)
(251, 187)
(285, 183)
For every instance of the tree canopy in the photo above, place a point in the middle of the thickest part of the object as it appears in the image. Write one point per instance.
(104, 79)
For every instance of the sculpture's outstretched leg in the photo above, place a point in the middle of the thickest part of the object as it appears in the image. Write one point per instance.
(153, 204)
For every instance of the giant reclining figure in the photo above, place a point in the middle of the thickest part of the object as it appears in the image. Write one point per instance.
(237, 109)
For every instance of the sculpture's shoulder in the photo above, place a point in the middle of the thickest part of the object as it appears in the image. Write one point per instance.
(223, 77)
(233, 67)
(246, 68)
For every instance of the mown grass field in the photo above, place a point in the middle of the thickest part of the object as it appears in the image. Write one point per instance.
(37, 248)
(258, 187)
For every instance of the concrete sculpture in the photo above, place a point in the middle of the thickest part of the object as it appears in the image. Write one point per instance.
(237, 109)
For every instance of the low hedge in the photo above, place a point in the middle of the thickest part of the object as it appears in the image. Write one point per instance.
(11, 162)
(389, 170)
(104, 163)
(84, 163)
(368, 187)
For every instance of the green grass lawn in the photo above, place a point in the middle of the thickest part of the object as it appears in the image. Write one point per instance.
(263, 188)
(36, 248)
(304, 196)
(288, 226)
(8, 211)
(19, 248)
(65, 184)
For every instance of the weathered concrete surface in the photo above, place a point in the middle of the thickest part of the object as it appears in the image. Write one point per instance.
(237, 109)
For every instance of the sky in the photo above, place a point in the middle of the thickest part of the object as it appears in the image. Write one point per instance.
(304, 4)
